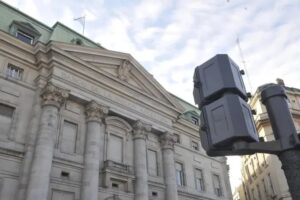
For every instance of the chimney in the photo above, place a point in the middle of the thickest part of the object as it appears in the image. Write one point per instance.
(280, 81)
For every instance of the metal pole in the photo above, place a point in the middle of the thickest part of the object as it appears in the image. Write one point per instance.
(274, 98)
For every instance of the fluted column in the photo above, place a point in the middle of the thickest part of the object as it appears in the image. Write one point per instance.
(93, 150)
(167, 143)
(140, 131)
(52, 99)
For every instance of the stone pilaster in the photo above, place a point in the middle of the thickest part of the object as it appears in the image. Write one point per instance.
(93, 157)
(140, 131)
(52, 98)
(29, 148)
(167, 143)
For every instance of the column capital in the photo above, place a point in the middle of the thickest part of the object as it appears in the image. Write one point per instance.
(167, 140)
(141, 130)
(53, 95)
(95, 111)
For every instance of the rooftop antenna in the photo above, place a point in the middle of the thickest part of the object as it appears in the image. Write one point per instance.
(81, 20)
(243, 62)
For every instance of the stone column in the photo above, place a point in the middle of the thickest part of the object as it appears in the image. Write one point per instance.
(140, 131)
(167, 142)
(93, 150)
(52, 99)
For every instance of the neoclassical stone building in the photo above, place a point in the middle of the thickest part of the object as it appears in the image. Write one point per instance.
(80, 122)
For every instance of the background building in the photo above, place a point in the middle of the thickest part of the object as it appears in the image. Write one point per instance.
(79, 121)
(262, 175)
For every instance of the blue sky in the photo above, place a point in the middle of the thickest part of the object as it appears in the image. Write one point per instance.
(170, 37)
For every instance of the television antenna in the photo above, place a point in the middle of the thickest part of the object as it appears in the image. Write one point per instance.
(81, 20)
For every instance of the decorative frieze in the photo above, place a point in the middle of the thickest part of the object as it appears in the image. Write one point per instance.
(167, 140)
(96, 112)
(96, 89)
(141, 130)
(53, 95)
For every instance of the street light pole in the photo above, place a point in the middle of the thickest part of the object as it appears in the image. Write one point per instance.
(275, 99)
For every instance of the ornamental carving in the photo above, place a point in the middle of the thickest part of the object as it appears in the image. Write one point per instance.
(124, 70)
(53, 95)
(167, 140)
(141, 130)
(95, 112)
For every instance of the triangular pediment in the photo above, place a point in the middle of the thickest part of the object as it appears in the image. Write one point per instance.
(123, 68)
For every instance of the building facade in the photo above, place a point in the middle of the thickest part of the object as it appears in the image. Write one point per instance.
(263, 178)
(79, 121)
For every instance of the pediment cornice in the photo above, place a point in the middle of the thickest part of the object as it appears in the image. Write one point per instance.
(138, 79)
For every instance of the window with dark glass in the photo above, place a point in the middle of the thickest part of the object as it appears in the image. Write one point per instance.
(25, 37)
(195, 120)
(24, 31)
(199, 179)
(179, 174)
(217, 185)
(6, 115)
(14, 72)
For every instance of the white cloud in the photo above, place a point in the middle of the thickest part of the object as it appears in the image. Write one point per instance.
(89, 15)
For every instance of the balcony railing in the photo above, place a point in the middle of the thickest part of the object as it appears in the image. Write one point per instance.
(118, 167)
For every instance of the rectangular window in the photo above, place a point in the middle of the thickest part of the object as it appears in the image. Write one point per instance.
(195, 120)
(14, 72)
(6, 115)
(118, 185)
(152, 162)
(25, 37)
(217, 185)
(116, 148)
(199, 179)
(179, 173)
(68, 137)
(195, 145)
